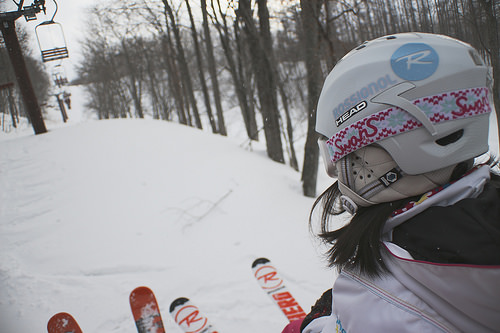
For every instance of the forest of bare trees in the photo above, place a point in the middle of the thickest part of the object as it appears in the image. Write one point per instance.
(185, 61)
(193, 62)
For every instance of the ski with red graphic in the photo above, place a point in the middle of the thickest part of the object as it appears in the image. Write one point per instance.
(270, 281)
(63, 323)
(146, 311)
(189, 318)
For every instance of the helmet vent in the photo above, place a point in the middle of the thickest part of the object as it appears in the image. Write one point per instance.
(391, 37)
(452, 138)
(476, 58)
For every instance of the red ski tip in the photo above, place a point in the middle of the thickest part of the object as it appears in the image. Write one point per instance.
(146, 311)
(63, 322)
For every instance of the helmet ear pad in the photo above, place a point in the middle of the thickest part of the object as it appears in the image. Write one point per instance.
(362, 177)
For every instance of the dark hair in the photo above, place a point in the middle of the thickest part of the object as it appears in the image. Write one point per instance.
(357, 245)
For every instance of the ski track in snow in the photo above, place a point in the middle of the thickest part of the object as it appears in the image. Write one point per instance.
(93, 209)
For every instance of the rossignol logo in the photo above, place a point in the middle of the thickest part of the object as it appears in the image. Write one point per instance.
(414, 61)
(268, 277)
(348, 114)
(189, 318)
(363, 94)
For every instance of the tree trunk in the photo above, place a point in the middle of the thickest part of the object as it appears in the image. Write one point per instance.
(260, 41)
(134, 82)
(11, 41)
(186, 76)
(289, 127)
(173, 78)
(488, 7)
(12, 106)
(238, 80)
(245, 73)
(153, 84)
(310, 9)
(212, 70)
(201, 72)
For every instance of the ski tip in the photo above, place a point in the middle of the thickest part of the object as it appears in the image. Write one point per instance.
(63, 322)
(140, 295)
(177, 302)
(260, 261)
(140, 291)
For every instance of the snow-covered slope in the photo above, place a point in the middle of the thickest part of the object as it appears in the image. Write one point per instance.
(90, 211)
(93, 209)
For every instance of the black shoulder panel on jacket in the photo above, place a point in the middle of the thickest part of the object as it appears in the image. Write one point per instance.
(467, 232)
(323, 307)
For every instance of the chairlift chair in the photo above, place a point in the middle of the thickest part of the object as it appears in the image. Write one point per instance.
(50, 37)
(60, 80)
(59, 76)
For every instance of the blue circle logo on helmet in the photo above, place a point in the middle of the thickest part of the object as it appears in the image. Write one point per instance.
(414, 61)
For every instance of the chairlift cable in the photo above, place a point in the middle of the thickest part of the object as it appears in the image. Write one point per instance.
(55, 12)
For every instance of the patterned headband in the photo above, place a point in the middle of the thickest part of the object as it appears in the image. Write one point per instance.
(392, 121)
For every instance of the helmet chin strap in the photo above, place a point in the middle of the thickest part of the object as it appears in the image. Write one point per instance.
(392, 97)
(351, 200)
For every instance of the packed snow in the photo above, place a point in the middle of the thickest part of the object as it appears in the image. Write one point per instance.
(93, 209)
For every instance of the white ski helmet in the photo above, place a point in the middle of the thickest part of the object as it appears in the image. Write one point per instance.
(406, 107)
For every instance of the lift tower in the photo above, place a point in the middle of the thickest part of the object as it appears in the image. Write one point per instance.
(8, 28)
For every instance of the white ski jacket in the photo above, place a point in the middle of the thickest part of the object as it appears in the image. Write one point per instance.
(418, 296)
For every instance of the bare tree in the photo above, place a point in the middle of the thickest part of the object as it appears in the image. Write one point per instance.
(212, 69)
(310, 10)
(186, 76)
(174, 77)
(262, 61)
(132, 53)
(201, 72)
(126, 65)
(490, 12)
(238, 76)
(166, 64)
(103, 82)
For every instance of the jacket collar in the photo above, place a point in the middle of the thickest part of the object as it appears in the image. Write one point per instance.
(469, 186)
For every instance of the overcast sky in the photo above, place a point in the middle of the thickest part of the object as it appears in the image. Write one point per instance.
(72, 15)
